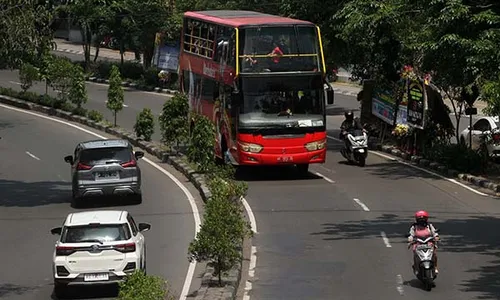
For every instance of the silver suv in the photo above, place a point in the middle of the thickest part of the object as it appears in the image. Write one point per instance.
(105, 167)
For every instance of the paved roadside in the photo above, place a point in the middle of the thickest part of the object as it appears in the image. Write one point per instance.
(74, 48)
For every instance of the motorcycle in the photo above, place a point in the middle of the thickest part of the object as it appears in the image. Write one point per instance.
(423, 258)
(358, 147)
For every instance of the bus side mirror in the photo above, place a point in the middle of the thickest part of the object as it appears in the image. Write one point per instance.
(329, 96)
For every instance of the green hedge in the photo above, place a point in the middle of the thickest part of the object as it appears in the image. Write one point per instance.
(130, 71)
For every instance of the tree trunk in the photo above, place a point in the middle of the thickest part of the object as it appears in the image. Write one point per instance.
(219, 271)
(115, 117)
(87, 39)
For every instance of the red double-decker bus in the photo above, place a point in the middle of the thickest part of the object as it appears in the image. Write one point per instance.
(261, 78)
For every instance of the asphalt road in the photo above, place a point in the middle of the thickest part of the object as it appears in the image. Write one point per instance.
(135, 100)
(35, 196)
(315, 241)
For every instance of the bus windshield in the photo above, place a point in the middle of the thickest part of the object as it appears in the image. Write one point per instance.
(279, 49)
(279, 100)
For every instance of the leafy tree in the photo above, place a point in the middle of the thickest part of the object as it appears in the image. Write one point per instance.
(27, 74)
(139, 286)
(491, 94)
(78, 89)
(223, 230)
(91, 16)
(201, 146)
(115, 92)
(174, 120)
(59, 74)
(145, 124)
(148, 17)
(24, 31)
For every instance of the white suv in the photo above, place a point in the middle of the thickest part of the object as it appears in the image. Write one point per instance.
(97, 247)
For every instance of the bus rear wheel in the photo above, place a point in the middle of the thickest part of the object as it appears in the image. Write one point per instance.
(303, 169)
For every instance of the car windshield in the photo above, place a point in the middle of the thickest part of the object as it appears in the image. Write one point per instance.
(94, 156)
(95, 233)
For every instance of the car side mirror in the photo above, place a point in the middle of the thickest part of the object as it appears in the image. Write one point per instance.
(69, 159)
(139, 154)
(329, 96)
(437, 230)
(144, 227)
(407, 235)
(56, 231)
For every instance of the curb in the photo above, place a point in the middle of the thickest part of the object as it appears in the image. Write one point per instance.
(437, 167)
(135, 86)
(206, 291)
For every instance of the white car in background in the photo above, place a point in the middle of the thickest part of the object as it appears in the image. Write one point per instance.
(97, 247)
(484, 125)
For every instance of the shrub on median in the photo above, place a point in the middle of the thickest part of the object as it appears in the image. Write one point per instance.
(139, 286)
(145, 124)
(224, 228)
(174, 120)
(457, 156)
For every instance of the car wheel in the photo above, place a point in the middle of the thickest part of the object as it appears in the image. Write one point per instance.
(137, 198)
(75, 201)
(60, 290)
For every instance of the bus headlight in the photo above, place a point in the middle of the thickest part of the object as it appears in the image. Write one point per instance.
(317, 145)
(252, 148)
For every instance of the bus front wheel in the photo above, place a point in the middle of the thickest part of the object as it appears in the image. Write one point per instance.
(303, 169)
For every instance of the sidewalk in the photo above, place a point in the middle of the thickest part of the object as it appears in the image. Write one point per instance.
(70, 47)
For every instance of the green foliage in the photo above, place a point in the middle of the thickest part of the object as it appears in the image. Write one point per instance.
(44, 100)
(59, 75)
(145, 124)
(174, 120)
(491, 94)
(78, 90)
(27, 74)
(457, 156)
(201, 146)
(139, 286)
(95, 116)
(24, 30)
(115, 92)
(223, 230)
(148, 17)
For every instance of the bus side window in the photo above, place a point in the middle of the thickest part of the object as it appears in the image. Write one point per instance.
(188, 37)
(231, 51)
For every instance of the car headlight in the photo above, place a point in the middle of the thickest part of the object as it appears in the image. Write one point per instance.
(248, 147)
(317, 145)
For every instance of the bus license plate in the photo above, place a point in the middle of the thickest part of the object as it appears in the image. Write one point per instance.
(285, 159)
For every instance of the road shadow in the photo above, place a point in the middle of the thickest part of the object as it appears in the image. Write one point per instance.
(104, 202)
(88, 292)
(31, 194)
(271, 173)
(7, 289)
(396, 171)
(461, 235)
(339, 110)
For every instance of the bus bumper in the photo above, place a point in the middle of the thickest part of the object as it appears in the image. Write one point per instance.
(310, 157)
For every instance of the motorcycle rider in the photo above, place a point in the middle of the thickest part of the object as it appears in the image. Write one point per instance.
(423, 227)
(348, 124)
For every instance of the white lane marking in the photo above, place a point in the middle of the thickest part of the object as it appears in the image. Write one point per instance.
(251, 216)
(189, 196)
(32, 155)
(124, 105)
(251, 273)
(385, 239)
(324, 177)
(423, 170)
(399, 286)
(363, 206)
(14, 82)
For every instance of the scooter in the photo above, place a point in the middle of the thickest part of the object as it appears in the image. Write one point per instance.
(358, 147)
(423, 260)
